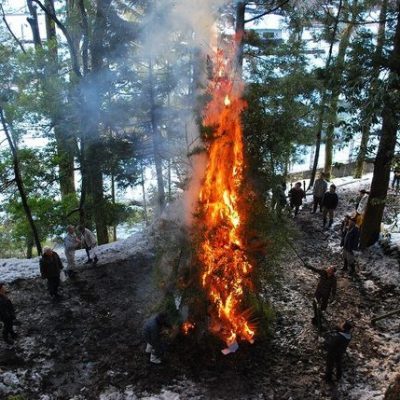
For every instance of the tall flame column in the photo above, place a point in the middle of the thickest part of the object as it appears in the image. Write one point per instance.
(225, 266)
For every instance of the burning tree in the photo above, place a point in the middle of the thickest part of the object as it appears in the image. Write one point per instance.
(225, 267)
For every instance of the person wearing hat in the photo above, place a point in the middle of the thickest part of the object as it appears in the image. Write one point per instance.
(350, 243)
(336, 346)
(50, 268)
(7, 315)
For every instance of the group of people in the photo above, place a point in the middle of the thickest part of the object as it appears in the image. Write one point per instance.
(50, 262)
(50, 268)
(338, 340)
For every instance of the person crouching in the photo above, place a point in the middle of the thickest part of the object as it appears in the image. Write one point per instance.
(153, 328)
(50, 268)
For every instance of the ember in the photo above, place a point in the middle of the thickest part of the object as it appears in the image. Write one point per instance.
(187, 327)
(225, 267)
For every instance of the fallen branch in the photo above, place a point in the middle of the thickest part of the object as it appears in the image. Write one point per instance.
(389, 314)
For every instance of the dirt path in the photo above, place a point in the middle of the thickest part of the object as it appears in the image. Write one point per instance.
(88, 345)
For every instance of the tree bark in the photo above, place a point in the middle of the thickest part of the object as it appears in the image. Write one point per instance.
(156, 139)
(336, 88)
(390, 124)
(366, 126)
(239, 30)
(321, 114)
(63, 138)
(91, 159)
(20, 183)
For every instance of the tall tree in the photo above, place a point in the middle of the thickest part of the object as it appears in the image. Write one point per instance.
(336, 84)
(368, 110)
(19, 181)
(390, 125)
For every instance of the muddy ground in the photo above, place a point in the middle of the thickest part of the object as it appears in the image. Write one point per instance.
(88, 345)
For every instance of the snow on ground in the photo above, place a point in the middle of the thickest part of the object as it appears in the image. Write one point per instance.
(16, 268)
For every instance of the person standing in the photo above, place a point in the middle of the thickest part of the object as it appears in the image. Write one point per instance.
(296, 195)
(396, 176)
(350, 244)
(279, 199)
(336, 346)
(326, 289)
(319, 189)
(88, 240)
(7, 316)
(50, 268)
(362, 206)
(71, 243)
(329, 204)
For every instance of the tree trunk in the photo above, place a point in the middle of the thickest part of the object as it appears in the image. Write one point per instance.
(33, 22)
(362, 152)
(366, 127)
(113, 202)
(156, 143)
(146, 218)
(390, 123)
(63, 139)
(239, 30)
(321, 114)
(91, 158)
(20, 183)
(29, 247)
(336, 88)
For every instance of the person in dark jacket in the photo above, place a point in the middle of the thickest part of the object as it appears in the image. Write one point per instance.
(329, 204)
(336, 346)
(152, 333)
(50, 268)
(278, 199)
(7, 316)
(350, 243)
(326, 289)
(296, 195)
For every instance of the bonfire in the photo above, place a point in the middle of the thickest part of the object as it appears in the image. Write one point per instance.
(225, 269)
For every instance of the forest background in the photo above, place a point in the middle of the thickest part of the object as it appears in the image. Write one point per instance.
(115, 89)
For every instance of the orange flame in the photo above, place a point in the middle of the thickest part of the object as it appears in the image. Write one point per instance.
(225, 266)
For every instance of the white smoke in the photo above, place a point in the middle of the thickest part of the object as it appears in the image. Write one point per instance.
(194, 22)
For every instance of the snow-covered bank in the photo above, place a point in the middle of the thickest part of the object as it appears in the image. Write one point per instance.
(17, 268)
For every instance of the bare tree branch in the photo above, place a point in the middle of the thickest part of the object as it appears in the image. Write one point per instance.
(10, 30)
(267, 12)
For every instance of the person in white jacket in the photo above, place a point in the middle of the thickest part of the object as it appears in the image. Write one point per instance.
(89, 242)
(71, 243)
